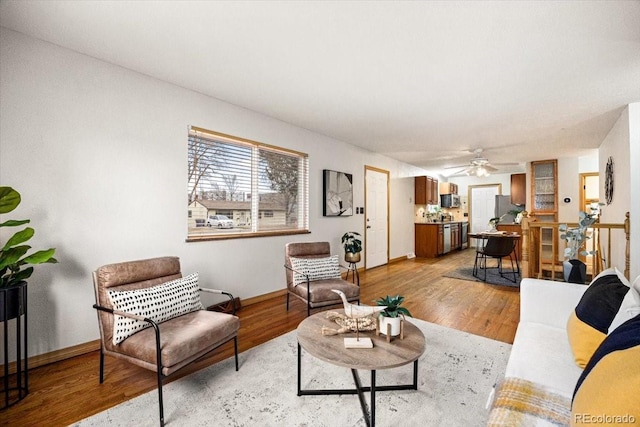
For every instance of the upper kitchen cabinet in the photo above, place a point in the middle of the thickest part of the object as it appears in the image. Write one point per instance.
(544, 188)
(448, 188)
(426, 189)
(519, 189)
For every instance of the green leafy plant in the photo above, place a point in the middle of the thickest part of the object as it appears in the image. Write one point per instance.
(576, 237)
(15, 263)
(351, 242)
(393, 306)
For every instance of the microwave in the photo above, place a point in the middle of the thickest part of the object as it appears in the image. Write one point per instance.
(449, 200)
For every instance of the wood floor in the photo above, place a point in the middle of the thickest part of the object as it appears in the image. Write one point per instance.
(64, 392)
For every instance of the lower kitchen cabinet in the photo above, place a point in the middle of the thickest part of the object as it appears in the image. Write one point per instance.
(435, 239)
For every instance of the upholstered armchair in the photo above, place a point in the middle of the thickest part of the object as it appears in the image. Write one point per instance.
(151, 316)
(312, 272)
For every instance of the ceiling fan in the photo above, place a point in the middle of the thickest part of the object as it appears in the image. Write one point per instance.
(478, 166)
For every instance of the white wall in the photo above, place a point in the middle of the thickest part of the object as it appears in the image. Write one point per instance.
(623, 145)
(98, 153)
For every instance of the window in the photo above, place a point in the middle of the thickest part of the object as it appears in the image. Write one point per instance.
(260, 188)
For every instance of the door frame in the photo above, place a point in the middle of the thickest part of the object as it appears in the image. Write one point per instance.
(582, 189)
(364, 219)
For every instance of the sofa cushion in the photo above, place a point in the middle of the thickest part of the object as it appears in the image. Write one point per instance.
(315, 268)
(608, 387)
(541, 354)
(608, 301)
(158, 303)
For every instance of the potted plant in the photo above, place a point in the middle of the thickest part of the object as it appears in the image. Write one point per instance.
(352, 246)
(392, 314)
(16, 266)
(575, 271)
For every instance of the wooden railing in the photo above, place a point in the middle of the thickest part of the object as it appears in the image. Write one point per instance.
(542, 248)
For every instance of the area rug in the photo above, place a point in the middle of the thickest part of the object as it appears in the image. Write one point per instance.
(493, 277)
(456, 375)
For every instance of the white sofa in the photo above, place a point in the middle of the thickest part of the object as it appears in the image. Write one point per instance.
(541, 352)
(541, 374)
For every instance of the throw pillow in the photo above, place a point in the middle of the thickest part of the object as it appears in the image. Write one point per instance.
(607, 390)
(315, 268)
(608, 301)
(158, 303)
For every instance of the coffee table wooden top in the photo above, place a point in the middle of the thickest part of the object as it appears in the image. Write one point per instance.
(383, 355)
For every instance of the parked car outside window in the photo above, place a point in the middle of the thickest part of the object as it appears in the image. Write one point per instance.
(219, 221)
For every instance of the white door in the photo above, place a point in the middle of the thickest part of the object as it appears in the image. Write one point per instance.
(482, 206)
(376, 217)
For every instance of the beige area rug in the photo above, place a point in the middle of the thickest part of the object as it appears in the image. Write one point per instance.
(456, 375)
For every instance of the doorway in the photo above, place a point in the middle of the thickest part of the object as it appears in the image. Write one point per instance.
(482, 205)
(589, 190)
(376, 216)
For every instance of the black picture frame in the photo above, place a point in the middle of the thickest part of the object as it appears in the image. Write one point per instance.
(337, 193)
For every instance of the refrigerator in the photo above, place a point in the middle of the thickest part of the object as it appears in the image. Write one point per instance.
(503, 206)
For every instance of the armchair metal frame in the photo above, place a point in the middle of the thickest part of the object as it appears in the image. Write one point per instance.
(498, 248)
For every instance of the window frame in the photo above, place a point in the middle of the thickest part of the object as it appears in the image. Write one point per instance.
(302, 196)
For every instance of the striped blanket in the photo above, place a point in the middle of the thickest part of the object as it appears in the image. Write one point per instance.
(523, 403)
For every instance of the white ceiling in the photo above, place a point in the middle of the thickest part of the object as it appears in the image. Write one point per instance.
(422, 82)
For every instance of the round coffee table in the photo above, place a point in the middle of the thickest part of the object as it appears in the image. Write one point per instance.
(383, 355)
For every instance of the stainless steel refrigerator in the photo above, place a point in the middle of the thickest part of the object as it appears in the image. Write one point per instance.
(503, 206)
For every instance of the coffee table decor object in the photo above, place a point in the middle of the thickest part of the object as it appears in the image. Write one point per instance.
(356, 313)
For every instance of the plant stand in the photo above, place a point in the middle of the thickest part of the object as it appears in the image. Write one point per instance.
(13, 305)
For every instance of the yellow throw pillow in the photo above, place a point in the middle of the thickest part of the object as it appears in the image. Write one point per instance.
(608, 301)
(607, 391)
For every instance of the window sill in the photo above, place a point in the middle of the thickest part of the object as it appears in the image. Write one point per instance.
(246, 235)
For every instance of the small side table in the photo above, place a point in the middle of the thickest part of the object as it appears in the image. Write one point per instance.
(13, 309)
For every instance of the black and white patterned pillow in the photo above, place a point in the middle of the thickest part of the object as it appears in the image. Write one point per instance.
(316, 268)
(158, 303)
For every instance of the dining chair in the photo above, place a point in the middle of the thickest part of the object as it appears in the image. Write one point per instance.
(497, 248)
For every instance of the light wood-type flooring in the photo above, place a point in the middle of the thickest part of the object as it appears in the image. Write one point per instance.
(67, 391)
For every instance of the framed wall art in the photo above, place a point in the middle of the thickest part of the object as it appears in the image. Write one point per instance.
(337, 190)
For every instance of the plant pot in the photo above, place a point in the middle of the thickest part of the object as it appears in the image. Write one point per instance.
(575, 271)
(352, 257)
(12, 301)
(393, 321)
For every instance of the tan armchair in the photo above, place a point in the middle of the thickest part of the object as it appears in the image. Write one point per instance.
(155, 289)
(313, 284)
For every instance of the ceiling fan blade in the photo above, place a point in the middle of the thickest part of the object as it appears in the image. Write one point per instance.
(490, 168)
(505, 164)
(456, 167)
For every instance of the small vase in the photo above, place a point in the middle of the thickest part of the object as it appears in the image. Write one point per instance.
(393, 321)
(575, 271)
(352, 257)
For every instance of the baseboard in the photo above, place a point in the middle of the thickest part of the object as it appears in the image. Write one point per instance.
(57, 355)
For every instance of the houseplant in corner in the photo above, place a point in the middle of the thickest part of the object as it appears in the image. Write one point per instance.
(575, 271)
(392, 314)
(16, 266)
(352, 246)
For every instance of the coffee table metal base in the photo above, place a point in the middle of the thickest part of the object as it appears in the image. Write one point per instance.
(369, 416)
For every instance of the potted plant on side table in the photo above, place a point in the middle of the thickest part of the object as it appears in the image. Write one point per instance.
(352, 246)
(574, 270)
(392, 314)
(16, 266)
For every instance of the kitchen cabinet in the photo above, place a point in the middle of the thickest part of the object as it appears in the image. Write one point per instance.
(448, 188)
(544, 189)
(455, 235)
(430, 239)
(426, 190)
(518, 189)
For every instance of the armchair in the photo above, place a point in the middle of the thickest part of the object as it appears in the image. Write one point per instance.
(151, 316)
(312, 273)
